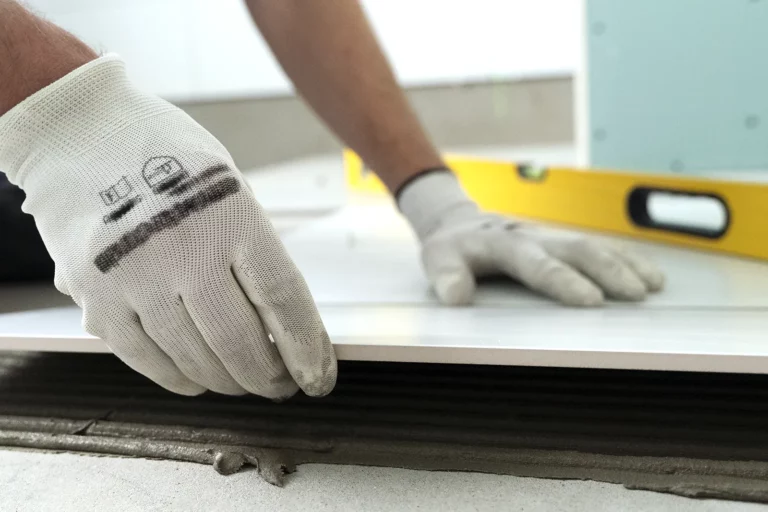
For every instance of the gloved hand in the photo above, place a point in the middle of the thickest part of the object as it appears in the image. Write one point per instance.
(459, 243)
(156, 236)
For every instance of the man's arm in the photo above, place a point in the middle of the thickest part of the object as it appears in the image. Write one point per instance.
(34, 53)
(331, 54)
(329, 51)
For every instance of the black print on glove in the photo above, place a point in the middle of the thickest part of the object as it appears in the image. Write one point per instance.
(116, 192)
(162, 173)
(171, 217)
(168, 184)
(204, 176)
(124, 208)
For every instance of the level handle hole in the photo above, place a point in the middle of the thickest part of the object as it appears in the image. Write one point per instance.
(703, 215)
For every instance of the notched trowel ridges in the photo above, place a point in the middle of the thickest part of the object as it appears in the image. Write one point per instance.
(697, 435)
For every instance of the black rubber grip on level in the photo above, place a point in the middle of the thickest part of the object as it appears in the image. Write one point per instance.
(638, 211)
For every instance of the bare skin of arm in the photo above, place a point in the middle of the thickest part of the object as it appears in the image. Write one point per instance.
(329, 51)
(33, 53)
(342, 74)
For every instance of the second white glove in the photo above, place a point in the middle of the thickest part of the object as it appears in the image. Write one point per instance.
(460, 243)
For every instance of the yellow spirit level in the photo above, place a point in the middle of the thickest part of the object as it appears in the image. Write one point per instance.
(610, 201)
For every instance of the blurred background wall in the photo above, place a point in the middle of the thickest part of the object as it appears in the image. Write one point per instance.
(677, 86)
(500, 74)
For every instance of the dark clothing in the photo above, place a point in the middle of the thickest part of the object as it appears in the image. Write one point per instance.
(23, 256)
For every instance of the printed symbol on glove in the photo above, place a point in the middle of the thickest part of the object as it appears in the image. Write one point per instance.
(199, 179)
(120, 212)
(116, 192)
(163, 173)
(172, 215)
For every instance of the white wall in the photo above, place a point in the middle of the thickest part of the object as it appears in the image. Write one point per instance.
(204, 49)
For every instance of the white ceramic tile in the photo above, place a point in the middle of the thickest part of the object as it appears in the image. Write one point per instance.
(362, 266)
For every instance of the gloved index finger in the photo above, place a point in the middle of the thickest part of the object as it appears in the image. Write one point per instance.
(289, 314)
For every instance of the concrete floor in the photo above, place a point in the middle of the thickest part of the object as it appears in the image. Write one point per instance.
(39, 482)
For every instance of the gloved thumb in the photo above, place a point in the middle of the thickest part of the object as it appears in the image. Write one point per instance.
(449, 273)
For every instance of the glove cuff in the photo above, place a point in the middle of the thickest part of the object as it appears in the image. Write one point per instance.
(71, 116)
(434, 199)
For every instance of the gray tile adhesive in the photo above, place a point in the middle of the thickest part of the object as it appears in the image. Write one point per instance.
(697, 435)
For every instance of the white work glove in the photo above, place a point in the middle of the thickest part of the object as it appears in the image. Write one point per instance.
(460, 243)
(157, 237)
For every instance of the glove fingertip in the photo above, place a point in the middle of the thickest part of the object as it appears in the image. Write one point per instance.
(318, 383)
(183, 387)
(454, 289)
(585, 296)
(321, 387)
(628, 287)
(655, 282)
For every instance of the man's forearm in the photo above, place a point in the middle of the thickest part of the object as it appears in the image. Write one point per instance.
(329, 51)
(33, 54)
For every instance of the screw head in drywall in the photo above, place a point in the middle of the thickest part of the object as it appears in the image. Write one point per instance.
(752, 122)
(677, 166)
(599, 134)
(598, 28)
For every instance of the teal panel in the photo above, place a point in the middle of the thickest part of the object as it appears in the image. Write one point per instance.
(678, 85)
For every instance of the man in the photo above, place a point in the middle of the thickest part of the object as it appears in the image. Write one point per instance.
(157, 238)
